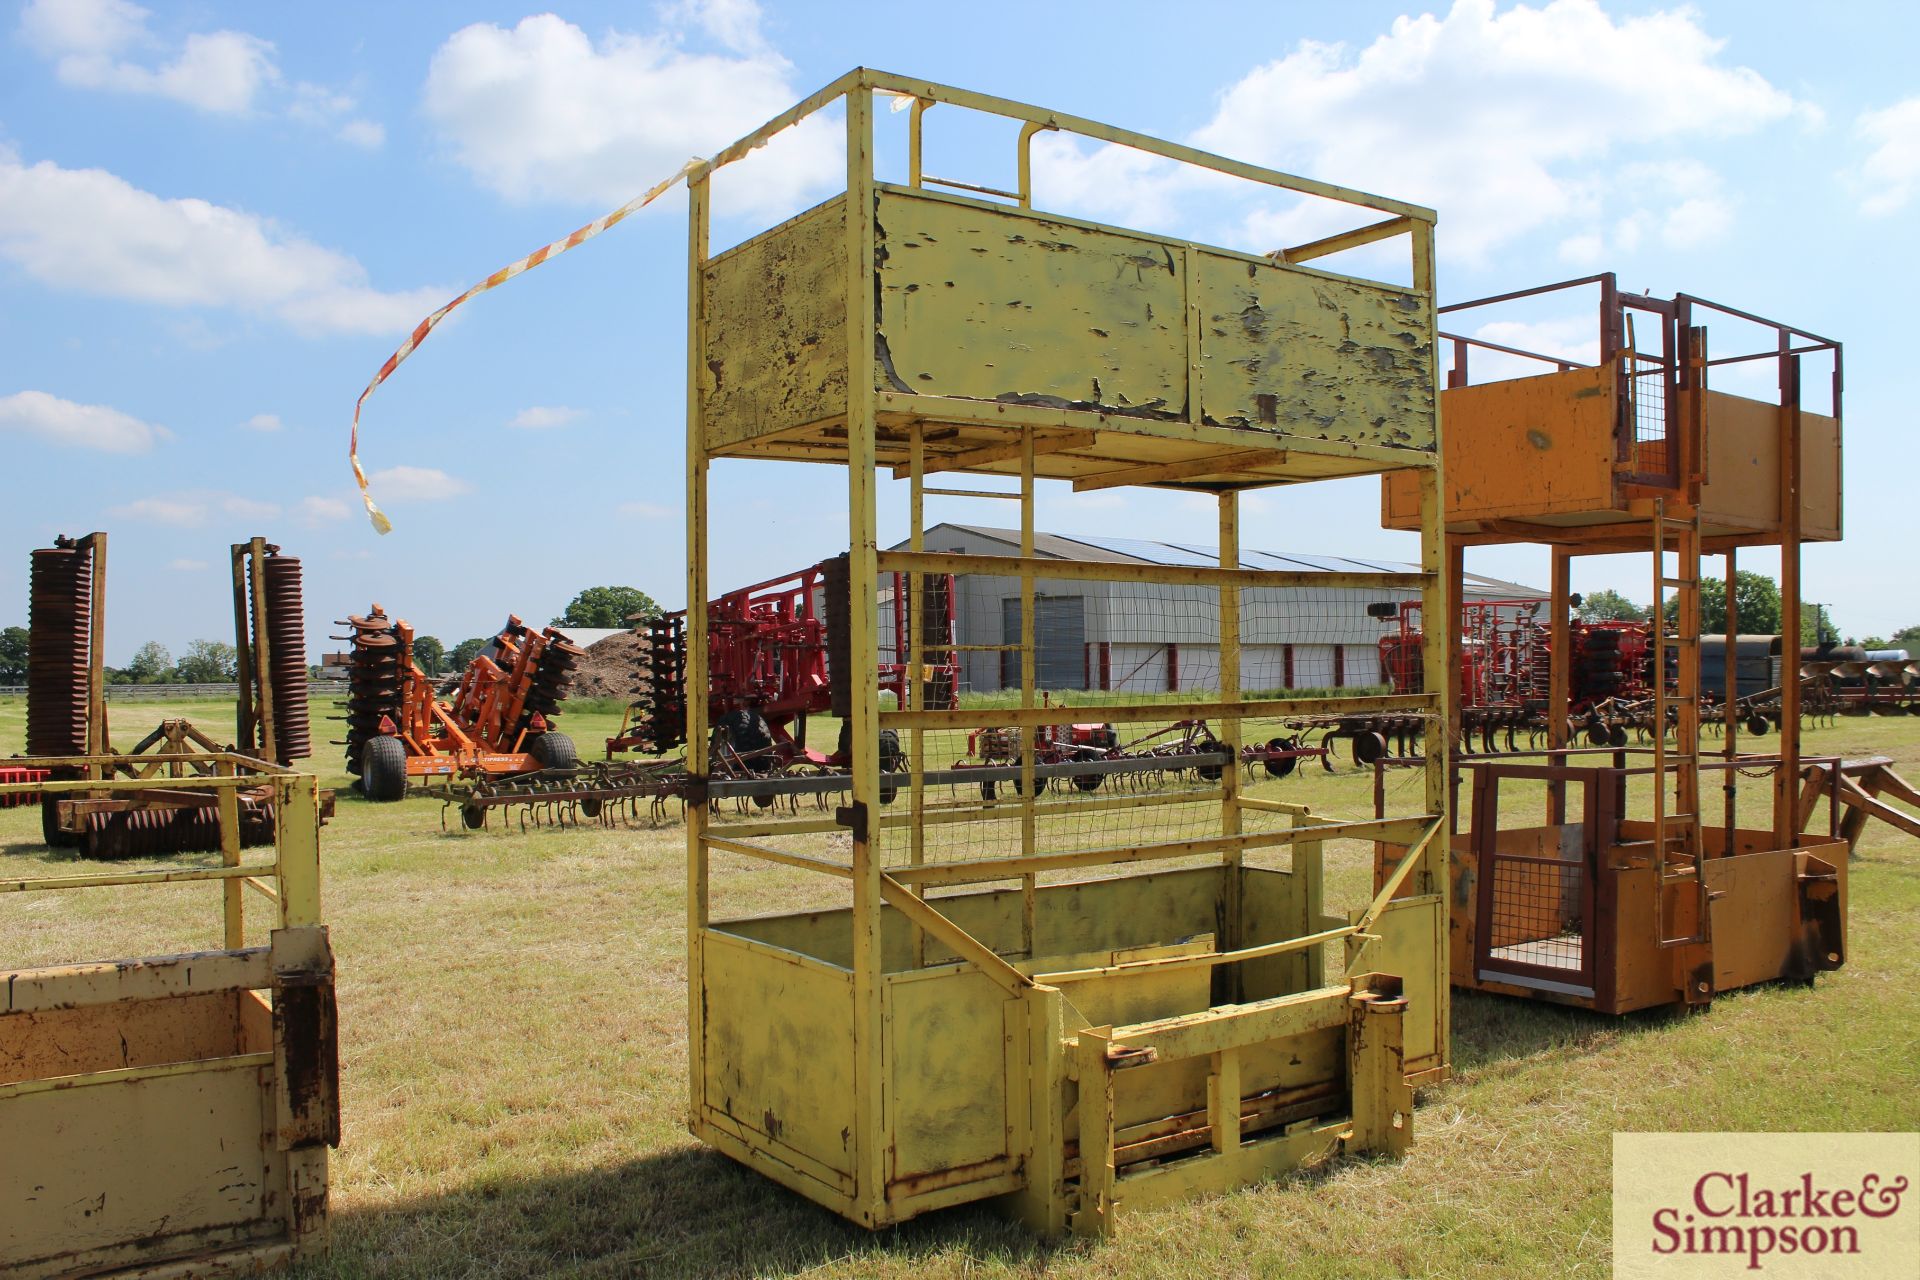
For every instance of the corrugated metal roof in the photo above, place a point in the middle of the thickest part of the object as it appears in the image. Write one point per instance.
(1108, 550)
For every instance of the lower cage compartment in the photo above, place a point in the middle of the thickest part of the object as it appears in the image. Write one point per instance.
(1127, 1066)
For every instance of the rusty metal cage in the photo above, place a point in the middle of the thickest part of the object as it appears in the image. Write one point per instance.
(1075, 1001)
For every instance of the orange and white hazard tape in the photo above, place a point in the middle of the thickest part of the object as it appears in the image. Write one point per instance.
(500, 277)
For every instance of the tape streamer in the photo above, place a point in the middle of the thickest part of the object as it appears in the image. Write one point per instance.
(381, 523)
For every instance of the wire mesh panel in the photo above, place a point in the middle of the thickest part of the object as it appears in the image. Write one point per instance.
(1538, 917)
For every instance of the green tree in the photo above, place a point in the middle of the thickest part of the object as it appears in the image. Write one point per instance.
(207, 662)
(151, 664)
(465, 652)
(608, 607)
(1608, 605)
(1755, 596)
(429, 654)
(1907, 638)
(13, 655)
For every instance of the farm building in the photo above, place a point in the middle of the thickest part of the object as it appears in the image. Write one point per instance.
(1140, 637)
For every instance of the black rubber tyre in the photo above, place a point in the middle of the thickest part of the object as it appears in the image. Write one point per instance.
(1757, 725)
(473, 816)
(553, 750)
(1368, 747)
(1280, 768)
(383, 768)
(1598, 736)
(892, 760)
(746, 731)
(590, 805)
(1088, 781)
(50, 830)
(988, 791)
(1617, 736)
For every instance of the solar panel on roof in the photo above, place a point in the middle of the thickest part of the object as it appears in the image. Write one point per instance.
(1157, 552)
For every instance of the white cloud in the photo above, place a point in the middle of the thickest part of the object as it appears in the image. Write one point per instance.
(190, 508)
(363, 133)
(1891, 172)
(424, 484)
(91, 231)
(320, 510)
(647, 510)
(263, 422)
(219, 72)
(1539, 103)
(80, 426)
(93, 45)
(541, 417)
(187, 566)
(542, 112)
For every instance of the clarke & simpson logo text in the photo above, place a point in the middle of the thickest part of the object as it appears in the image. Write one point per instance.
(1831, 1205)
(1728, 1214)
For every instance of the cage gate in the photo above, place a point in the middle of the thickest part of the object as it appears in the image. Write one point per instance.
(1537, 895)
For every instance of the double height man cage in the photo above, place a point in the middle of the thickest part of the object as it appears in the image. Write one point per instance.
(1128, 986)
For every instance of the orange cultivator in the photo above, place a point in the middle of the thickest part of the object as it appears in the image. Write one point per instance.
(497, 724)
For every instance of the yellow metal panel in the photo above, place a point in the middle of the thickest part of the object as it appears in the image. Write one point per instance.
(947, 1086)
(1742, 489)
(1313, 355)
(1407, 929)
(775, 310)
(776, 1039)
(119, 1173)
(984, 303)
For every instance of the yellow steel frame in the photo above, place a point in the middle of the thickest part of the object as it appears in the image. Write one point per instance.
(284, 1057)
(1054, 1051)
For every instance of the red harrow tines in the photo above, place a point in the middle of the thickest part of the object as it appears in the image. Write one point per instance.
(774, 653)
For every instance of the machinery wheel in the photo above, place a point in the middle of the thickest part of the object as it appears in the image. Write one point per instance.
(1368, 747)
(1617, 736)
(988, 791)
(383, 768)
(1088, 781)
(745, 730)
(590, 805)
(50, 831)
(891, 761)
(1284, 766)
(1757, 725)
(473, 816)
(1039, 786)
(553, 750)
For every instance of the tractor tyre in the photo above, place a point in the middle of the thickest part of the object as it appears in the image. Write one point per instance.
(746, 732)
(383, 768)
(553, 750)
(892, 760)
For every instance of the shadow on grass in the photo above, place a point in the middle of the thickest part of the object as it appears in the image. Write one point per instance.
(1489, 1030)
(687, 1212)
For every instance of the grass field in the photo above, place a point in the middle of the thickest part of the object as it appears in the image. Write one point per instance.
(514, 1052)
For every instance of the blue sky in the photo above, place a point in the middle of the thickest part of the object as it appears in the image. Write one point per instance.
(216, 220)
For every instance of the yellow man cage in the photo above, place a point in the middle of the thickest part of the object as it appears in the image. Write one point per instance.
(170, 1115)
(1087, 1000)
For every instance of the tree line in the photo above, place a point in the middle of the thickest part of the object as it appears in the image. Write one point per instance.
(215, 662)
(1757, 605)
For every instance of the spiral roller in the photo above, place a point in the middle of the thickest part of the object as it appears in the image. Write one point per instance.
(287, 666)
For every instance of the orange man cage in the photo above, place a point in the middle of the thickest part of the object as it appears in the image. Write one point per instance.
(1635, 895)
